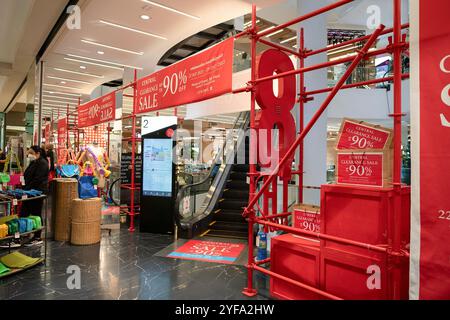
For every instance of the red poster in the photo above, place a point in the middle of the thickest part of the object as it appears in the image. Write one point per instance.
(97, 111)
(308, 220)
(62, 133)
(47, 132)
(222, 252)
(362, 169)
(202, 76)
(359, 136)
(431, 254)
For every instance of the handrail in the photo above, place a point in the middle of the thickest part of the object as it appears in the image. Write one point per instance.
(361, 54)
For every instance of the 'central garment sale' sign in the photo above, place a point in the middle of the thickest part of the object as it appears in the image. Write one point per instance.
(360, 168)
(357, 135)
(97, 111)
(202, 76)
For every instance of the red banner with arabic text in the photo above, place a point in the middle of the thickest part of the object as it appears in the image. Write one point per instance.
(97, 111)
(203, 76)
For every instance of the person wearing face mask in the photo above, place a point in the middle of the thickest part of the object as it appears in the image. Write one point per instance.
(36, 177)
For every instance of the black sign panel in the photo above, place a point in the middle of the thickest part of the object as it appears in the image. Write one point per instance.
(125, 172)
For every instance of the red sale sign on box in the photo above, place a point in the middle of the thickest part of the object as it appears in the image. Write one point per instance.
(307, 217)
(202, 76)
(210, 251)
(430, 123)
(361, 135)
(361, 168)
(97, 111)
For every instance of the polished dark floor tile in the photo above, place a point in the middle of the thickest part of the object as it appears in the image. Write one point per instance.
(125, 267)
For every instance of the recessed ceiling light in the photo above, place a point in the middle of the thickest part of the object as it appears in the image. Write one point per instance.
(64, 80)
(60, 98)
(145, 17)
(57, 86)
(93, 64)
(287, 40)
(63, 93)
(79, 73)
(171, 9)
(111, 47)
(101, 52)
(131, 29)
(104, 61)
(83, 67)
(274, 33)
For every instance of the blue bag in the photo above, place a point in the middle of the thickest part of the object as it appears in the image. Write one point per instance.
(23, 225)
(30, 224)
(86, 188)
(69, 171)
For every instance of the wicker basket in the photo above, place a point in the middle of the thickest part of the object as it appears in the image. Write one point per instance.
(86, 220)
(66, 191)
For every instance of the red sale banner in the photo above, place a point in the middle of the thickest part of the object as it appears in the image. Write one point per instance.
(362, 169)
(355, 135)
(307, 218)
(430, 50)
(62, 133)
(97, 111)
(202, 76)
(210, 251)
(47, 132)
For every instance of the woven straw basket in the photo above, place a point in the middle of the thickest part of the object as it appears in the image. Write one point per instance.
(86, 220)
(66, 191)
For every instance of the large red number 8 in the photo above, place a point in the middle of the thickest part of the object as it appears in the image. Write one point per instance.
(276, 109)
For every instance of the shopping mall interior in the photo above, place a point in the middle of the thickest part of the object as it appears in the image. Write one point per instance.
(224, 150)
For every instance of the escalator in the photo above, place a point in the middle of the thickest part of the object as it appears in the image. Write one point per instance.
(213, 207)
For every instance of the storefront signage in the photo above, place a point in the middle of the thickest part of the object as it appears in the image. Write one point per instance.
(430, 265)
(363, 169)
(97, 111)
(219, 252)
(203, 76)
(356, 135)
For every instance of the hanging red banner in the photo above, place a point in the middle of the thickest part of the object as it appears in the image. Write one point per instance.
(62, 133)
(205, 75)
(431, 202)
(97, 111)
(47, 132)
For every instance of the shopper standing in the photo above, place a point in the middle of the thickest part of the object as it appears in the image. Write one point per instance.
(36, 177)
(50, 155)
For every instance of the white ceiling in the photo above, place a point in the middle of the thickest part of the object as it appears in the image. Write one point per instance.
(172, 26)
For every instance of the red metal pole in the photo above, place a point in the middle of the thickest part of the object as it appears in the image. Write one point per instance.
(397, 116)
(249, 290)
(301, 116)
(297, 283)
(361, 54)
(68, 126)
(346, 43)
(305, 17)
(358, 84)
(133, 155)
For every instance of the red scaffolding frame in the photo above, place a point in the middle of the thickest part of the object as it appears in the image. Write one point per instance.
(396, 47)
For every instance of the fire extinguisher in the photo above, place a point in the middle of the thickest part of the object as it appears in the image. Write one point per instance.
(261, 244)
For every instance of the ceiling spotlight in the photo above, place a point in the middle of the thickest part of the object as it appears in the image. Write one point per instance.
(63, 82)
(145, 17)
(171, 9)
(83, 67)
(100, 52)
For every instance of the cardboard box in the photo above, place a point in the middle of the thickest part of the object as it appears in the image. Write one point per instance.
(355, 134)
(306, 217)
(369, 168)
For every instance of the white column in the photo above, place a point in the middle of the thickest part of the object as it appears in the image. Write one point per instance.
(315, 158)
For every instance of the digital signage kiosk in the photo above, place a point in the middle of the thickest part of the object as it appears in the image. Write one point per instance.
(158, 174)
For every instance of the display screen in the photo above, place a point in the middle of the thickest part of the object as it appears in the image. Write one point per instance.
(157, 170)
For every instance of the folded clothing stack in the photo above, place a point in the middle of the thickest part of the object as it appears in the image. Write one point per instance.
(3, 269)
(21, 225)
(17, 260)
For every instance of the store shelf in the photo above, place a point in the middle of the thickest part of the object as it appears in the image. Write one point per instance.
(16, 271)
(21, 235)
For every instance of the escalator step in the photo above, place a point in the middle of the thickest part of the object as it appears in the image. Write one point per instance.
(226, 234)
(236, 194)
(237, 185)
(241, 168)
(229, 216)
(233, 204)
(241, 176)
(229, 226)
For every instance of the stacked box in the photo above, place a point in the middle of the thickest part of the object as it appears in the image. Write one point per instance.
(364, 155)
